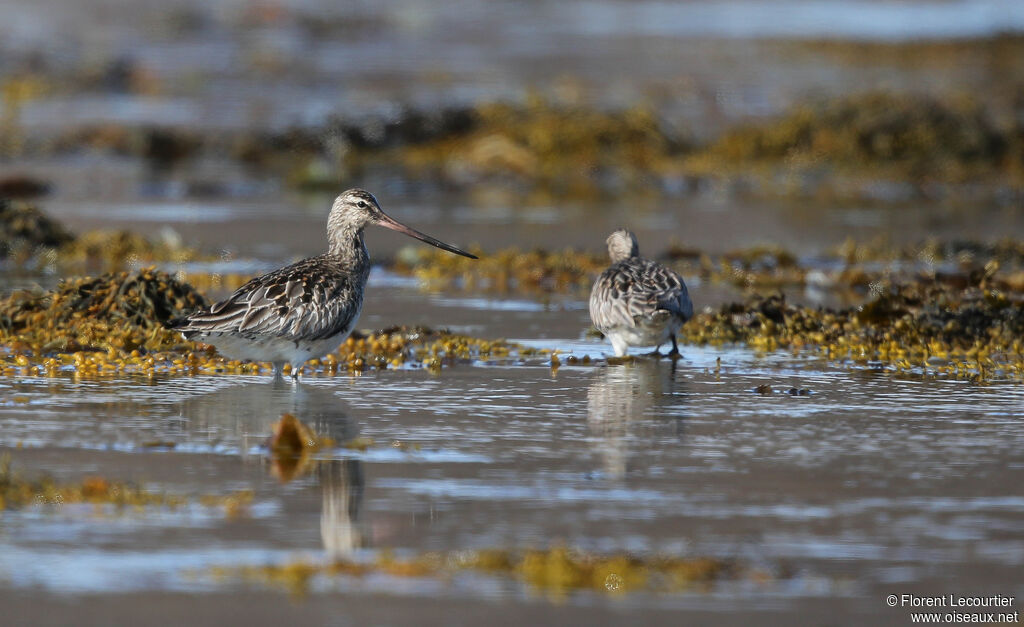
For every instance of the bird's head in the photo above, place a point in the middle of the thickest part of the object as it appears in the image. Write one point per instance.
(357, 208)
(622, 244)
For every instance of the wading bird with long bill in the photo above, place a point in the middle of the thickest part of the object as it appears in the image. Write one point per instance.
(305, 310)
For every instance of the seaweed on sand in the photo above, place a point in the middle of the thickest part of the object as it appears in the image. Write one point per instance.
(925, 324)
(896, 137)
(28, 236)
(555, 571)
(18, 492)
(120, 311)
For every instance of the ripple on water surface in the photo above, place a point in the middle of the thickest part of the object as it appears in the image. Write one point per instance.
(888, 477)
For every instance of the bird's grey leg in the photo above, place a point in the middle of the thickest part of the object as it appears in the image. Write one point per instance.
(279, 370)
(656, 352)
(675, 347)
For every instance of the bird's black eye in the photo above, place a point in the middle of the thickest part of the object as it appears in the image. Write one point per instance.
(362, 204)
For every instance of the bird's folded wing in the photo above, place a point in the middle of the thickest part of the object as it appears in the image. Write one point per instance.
(635, 290)
(609, 307)
(292, 305)
(676, 301)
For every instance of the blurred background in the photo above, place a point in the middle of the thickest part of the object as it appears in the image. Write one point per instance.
(714, 123)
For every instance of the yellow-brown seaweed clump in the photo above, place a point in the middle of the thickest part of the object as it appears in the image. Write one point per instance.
(398, 347)
(28, 352)
(507, 270)
(958, 264)
(555, 571)
(896, 137)
(561, 149)
(412, 346)
(839, 147)
(28, 236)
(1007, 251)
(117, 250)
(17, 492)
(975, 332)
(567, 151)
(24, 231)
(546, 148)
(849, 266)
(122, 312)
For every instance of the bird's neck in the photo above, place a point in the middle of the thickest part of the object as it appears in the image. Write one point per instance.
(347, 246)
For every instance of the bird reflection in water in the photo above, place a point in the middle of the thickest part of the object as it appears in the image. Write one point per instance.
(341, 484)
(248, 413)
(623, 401)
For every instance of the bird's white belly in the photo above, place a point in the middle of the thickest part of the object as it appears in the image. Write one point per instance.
(653, 331)
(273, 349)
(276, 349)
(642, 336)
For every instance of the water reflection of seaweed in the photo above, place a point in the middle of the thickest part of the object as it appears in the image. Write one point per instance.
(626, 403)
(249, 412)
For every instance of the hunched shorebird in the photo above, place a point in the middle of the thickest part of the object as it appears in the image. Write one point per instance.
(636, 301)
(305, 310)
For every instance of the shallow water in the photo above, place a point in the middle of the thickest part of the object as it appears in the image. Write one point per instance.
(281, 226)
(867, 486)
